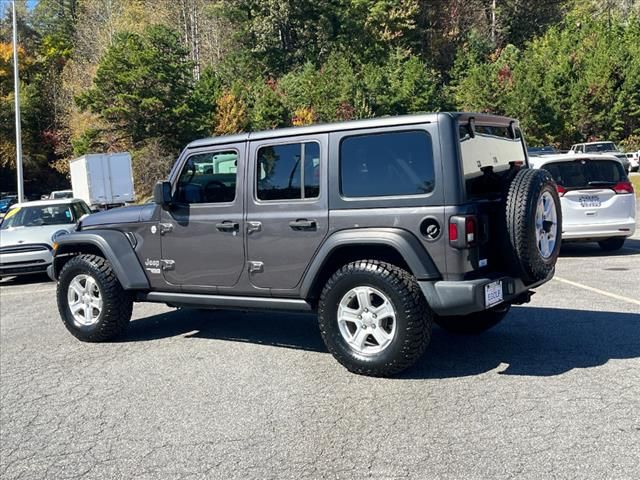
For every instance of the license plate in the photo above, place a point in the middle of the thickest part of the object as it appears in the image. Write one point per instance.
(493, 293)
(589, 201)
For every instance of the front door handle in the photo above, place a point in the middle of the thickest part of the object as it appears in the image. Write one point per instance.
(228, 226)
(165, 228)
(303, 224)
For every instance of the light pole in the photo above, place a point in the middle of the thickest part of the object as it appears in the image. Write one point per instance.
(16, 80)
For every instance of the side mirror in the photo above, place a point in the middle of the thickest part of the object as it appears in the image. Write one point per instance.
(162, 193)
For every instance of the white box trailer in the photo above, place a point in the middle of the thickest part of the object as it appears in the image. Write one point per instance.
(103, 180)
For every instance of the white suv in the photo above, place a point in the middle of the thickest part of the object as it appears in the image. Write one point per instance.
(607, 148)
(598, 201)
(634, 161)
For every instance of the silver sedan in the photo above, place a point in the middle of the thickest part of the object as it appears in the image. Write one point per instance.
(29, 230)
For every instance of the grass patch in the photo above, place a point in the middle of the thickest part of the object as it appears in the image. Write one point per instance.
(635, 179)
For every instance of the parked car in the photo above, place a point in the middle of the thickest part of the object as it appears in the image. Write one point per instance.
(7, 202)
(634, 161)
(381, 226)
(608, 148)
(60, 194)
(29, 230)
(598, 201)
(545, 150)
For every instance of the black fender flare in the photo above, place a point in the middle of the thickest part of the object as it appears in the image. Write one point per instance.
(403, 241)
(114, 246)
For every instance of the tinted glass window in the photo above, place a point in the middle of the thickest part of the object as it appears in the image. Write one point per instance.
(289, 172)
(386, 164)
(586, 173)
(600, 147)
(208, 178)
(487, 156)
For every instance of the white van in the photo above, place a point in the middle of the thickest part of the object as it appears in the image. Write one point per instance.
(598, 201)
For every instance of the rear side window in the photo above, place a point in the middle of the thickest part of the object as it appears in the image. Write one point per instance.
(386, 164)
(289, 172)
(586, 173)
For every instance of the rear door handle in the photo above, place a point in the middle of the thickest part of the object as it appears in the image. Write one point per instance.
(228, 226)
(303, 224)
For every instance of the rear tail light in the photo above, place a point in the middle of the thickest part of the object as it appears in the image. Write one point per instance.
(561, 190)
(470, 229)
(623, 187)
(463, 231)
(453, 232)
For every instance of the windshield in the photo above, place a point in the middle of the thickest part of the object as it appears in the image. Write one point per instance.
(586, 173)
(38, 216)
(601, 147)
(61, 195)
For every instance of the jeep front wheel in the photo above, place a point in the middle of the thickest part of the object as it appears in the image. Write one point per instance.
(93, 305)
(373, 318)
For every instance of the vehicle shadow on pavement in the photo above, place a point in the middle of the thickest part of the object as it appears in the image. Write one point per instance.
(531, 341)
(287, 330)
(25, 279)
(588, 249)
(534, 341)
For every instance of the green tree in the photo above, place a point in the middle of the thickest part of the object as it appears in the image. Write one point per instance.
(267, 107)
(142, 88)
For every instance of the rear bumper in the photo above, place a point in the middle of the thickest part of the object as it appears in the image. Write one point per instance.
(468, 296)
(624, 228)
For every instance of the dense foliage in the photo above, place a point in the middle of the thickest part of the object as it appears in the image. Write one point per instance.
(149, 76)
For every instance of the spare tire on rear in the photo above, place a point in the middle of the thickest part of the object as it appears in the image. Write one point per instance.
(533, 224)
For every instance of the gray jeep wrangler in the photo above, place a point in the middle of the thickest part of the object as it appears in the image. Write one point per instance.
(381, 226)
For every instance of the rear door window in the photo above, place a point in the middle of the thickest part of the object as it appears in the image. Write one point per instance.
(581, 174)
(288, 172)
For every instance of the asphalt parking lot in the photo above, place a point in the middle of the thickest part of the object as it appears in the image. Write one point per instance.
(553, 392)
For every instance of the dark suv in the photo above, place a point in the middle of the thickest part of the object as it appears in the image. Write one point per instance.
(381, 226)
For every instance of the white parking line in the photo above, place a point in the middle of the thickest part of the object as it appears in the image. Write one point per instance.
(597, 290)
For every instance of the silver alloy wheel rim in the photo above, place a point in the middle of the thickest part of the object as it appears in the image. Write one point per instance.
(546, 225)
(367, 320)
(85, 300)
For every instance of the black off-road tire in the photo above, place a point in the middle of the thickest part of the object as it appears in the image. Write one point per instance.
(413, 316)
(475, 323)
(612, 244)
(117, 303)
(520, 211)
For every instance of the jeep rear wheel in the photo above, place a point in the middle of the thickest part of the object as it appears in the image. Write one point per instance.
(474, 323)
(373, 318)
(534, 224)
(93, 305)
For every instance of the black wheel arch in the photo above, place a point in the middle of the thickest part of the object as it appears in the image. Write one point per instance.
(112, 245)
(393, 245)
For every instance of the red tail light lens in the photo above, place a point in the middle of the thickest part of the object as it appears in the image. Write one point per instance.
(453, 232)
(623, 187)
(561, 190)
